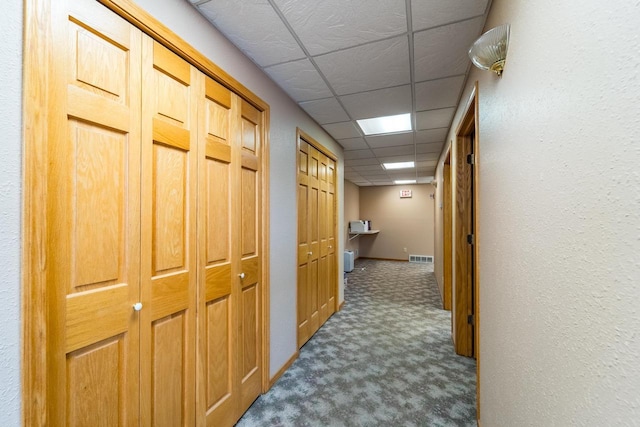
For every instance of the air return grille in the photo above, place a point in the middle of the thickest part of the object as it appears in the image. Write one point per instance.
(421, 258)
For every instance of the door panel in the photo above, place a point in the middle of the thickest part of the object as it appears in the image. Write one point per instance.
(169, 161)
(168, 368)
(93, 220)
(250, 337)
(217, 360)
(90, 393)
(463, 250)
(332, 284)
(304, 247)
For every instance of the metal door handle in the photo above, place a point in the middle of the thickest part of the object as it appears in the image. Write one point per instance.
(309, 253)
(241, 275)
(137, 306)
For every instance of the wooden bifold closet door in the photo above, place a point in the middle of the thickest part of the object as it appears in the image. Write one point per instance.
(317, 274)
(152, 259)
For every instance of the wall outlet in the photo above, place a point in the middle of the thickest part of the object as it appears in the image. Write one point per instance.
(355, 252)
(405, 250)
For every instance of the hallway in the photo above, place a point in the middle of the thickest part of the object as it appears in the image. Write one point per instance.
(385, 359)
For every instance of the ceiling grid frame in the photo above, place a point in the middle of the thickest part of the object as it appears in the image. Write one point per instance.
(359, 27)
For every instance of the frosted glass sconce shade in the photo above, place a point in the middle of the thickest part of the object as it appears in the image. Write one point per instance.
(490, 51)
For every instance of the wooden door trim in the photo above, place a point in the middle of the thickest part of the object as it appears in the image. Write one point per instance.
(40, 95)
(468, 125)
(36, 103)
(447, 235)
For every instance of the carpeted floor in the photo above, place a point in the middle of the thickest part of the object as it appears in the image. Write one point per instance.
(386, 359)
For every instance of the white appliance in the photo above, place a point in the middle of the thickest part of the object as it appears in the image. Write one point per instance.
(357, 226)
(348, 261)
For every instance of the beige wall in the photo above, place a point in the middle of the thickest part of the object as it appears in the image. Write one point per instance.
(351, 212)
(10, 208)
(403, 223)
(559, 208)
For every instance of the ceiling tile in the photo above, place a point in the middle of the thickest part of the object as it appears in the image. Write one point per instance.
(390, 140)
(353, 143)
(432, 135)
(393, 159)
(328, 25)
(394, 151)
(425, 157)
(432, 13)
(367, 67)
(325, 111)
(368, 168)
(358, 154)
(377, 103)
(428, 148)
(455, 40)
(434, 118)
(403, 175)
(382, 182)
(353, 175)
(300, 80)
(342, 130)
(361, 162)
(375, 174)
(439, 93)
(426, 164)
(244, 23)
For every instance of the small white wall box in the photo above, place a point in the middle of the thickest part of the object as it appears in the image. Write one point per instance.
(348, 261)
(357, 226)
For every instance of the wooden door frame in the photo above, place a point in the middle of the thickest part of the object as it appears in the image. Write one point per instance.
(40, 97)
(447, 243)
(469, 125)
(303, 136)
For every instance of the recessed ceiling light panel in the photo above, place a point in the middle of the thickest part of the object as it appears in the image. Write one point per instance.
(386, 124)
(398, 165)
(405, 181)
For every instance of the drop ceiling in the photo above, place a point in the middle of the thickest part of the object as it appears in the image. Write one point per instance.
(344, 60)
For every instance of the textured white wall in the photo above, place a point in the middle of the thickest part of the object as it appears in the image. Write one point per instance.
(559, 216)
(186, 22)
(10, 209)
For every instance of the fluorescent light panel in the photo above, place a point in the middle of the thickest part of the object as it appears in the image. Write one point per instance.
(405, 181)
(398, 165)
(386, 124)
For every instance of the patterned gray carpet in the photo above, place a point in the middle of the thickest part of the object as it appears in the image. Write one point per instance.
(386, 359)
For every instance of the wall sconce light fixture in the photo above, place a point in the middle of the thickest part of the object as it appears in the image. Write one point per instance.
(490, 51)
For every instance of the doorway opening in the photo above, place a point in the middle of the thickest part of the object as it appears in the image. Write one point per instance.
(465, 235)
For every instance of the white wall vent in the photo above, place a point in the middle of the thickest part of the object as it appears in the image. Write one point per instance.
(421, 258)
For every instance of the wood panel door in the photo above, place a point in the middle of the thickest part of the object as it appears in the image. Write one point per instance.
(332, 226)
(250, 257)
(308, 241)
(218, 286)
(463, 257)
(316, 297)
(92, 219)
(304, 245)
(171, 89)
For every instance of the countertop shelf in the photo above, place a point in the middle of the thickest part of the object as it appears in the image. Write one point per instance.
(358, 233)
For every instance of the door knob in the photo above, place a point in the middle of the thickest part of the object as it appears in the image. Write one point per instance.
(330, 247)
(241, 275)
(137, 306)
(309, 253)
